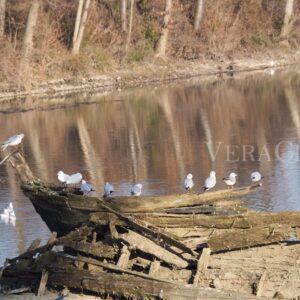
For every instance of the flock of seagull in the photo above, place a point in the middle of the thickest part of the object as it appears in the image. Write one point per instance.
(136, 190)
(211, 181)
(8, 214)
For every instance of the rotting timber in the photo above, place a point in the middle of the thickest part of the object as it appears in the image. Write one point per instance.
(190, 246)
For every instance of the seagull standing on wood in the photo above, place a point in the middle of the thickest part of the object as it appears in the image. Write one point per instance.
(108, 189)
(210, 181)
(62, 177)
(86, 187)
(256, 176)
(74, 179)
(13, 141)
(188, 183)
(136, 190)
(230, 180)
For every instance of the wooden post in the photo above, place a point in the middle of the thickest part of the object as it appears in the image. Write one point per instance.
(260, 284)
(201, 266)
(43, 283)
(154, 268)
(124, 258)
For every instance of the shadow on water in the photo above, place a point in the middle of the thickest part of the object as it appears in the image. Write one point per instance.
(155, 136)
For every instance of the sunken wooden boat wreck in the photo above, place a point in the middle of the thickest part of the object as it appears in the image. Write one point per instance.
(173, 247)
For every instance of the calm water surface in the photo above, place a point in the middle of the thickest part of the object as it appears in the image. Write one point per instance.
(156, 136)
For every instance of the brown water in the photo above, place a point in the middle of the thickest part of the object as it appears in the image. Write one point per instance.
(156, 136)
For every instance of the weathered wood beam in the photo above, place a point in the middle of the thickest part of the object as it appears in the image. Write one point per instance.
(243, 221)
(18, 162)
(147, 246)
(133, 286)
(257, 236)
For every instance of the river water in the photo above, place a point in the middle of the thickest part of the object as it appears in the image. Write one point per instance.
(155, 136)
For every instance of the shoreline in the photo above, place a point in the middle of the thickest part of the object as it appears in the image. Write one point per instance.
(149, 73)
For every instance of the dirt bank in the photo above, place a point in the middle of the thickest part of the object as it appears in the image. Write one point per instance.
(151, 72)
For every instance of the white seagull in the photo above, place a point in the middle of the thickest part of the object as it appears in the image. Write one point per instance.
(13, 141)
(62, 177)
(230, 180)
(86, 187)
(108, 189)
(210, 181)
(8, 215)
(136, 190)
(74, 179)
(256, 176)
(189, 183)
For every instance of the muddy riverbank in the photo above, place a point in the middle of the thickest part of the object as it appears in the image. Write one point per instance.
(155, 72)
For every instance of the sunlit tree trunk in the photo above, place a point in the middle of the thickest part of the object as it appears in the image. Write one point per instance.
(78, 32)
(199, 15)
(130, 25)
(2, 16)
(78, 19)
(124, 15)
(163, 40)
(29, 31)
(287, 23)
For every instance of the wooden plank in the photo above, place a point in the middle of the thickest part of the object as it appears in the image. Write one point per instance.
(43, 283)
(144, 244)
(124, 258)
(202, 265)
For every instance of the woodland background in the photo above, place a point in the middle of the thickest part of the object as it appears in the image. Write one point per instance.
(46, 39)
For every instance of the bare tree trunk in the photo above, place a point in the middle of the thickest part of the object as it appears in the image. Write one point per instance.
(78, 20)
(124, 15)
(29, 31)
(163, 40)
(199, 15)
(78, 41)
(130, 25)
(286, 27)
(2, 17)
